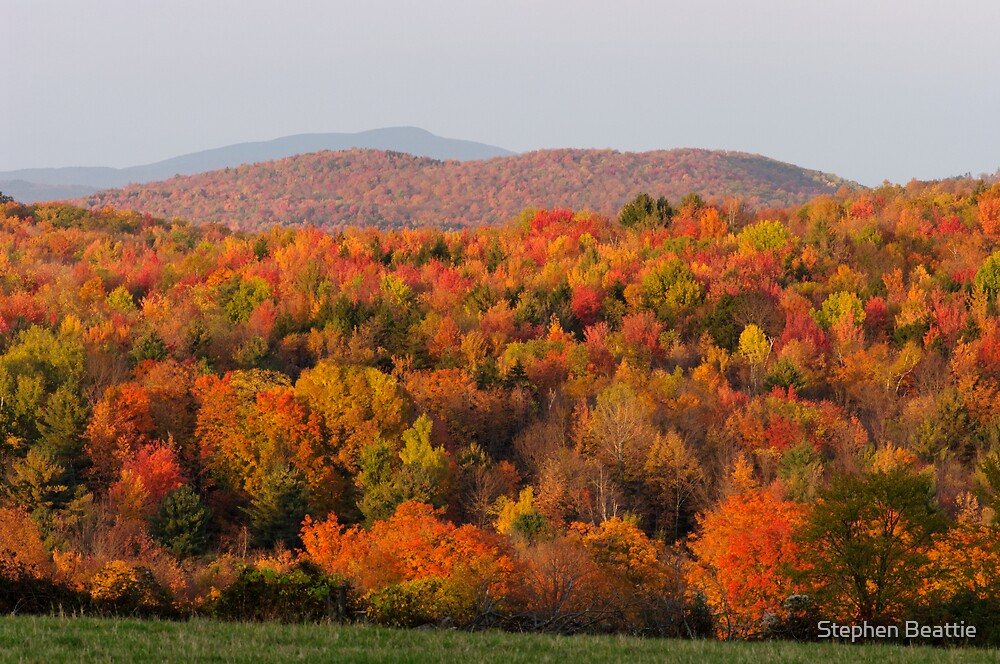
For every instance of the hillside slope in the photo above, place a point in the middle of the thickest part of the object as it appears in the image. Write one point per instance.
(389, 189)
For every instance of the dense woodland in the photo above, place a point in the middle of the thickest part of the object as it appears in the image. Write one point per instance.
(687, 419)
(391, 190)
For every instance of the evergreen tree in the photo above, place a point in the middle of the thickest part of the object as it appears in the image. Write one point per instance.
(988, 476)
(37, 483)
(693, 201)
(148, 347)
(423, 476)
(277, 509)
(643, 210)
(181, 524)
(61, 423)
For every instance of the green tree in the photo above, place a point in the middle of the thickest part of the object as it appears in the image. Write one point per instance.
(868, 537)
(56, 357)
(181, 524)
(670, 287)
(721, 321)
(121, 299)
(246, 298)
(519, 517)
(426, 470)
(149, 346)
(949, 429)
(38, 484)
(801, 468)
(763, 236)
(692, 201)
(61, 423)
(838, 306)
(20, 397)
(784, 374)
(988, 275)
(277, 509)
(380, 495)
(644, 211)
(988, 479)
(422, 476)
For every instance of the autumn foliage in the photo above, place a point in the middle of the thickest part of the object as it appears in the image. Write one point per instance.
(746, 559)
(693, 418)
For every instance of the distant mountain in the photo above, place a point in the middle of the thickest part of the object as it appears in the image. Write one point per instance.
(391, 189)
(30, 192)
(43, 184)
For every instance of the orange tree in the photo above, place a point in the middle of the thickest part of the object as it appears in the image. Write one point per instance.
(645, 588)
(745, 559)
(415, 566)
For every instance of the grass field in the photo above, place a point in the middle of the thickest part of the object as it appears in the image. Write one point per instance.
(49, 639)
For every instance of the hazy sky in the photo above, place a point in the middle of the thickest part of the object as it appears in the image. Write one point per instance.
(869, 90)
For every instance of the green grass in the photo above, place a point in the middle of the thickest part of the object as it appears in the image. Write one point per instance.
(50, 639)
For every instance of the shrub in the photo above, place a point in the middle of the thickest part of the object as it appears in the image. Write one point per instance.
(432, 599)
(120, 588)
(797, 619)
(22, 590)
(302, 594)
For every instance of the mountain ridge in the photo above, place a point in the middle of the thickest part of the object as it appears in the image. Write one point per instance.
(393, 189)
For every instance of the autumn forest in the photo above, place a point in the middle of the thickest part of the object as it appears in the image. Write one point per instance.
(694, 417)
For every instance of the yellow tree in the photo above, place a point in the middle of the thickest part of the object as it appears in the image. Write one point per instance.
(357, 404)
(675, 475)
(754, 349)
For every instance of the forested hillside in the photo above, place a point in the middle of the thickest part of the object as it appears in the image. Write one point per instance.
(335, 190)
(684, 419)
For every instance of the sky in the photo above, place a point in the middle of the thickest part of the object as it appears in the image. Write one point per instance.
(870, 90)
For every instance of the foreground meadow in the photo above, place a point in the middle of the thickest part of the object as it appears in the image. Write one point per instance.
(53, 639)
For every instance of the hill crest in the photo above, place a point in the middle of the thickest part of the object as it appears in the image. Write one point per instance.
(391, 189)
